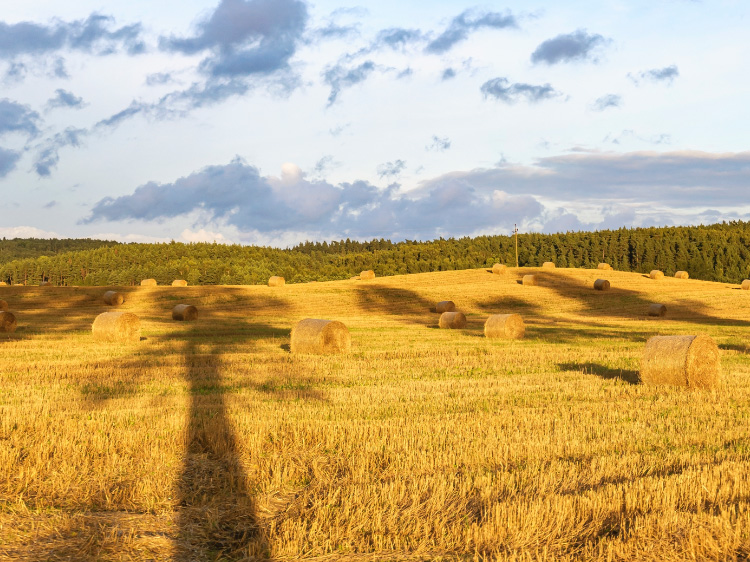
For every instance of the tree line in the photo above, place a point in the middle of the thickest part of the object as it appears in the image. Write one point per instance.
(719, 252)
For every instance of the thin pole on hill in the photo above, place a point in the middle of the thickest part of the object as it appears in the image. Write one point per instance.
(515, 231)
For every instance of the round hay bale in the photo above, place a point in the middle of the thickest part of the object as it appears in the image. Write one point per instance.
(452, 320)
(276, 281)
(369, 274)
(117, 326)
(45, 284)
(148, 283)
(605, 266)
(445, 306)
(745, 285)
(186, 312)
(657, 309)
(8, 322)
(499, 269)
(320, 337)
(656, 274)
(508, 326)
(179, 283)
(3, 305)
(691, 361)
(3, 284)
(113, 298)
(601, 285)
(549, 264)
(682, 275)
(529, 279)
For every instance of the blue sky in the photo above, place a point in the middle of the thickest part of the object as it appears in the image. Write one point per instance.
(276, 121)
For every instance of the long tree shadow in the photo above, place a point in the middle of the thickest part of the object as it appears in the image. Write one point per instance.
(217, 515)
(627, 375)
(628, 303)
(401, 303)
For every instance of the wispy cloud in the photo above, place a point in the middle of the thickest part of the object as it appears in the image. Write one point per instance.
(501, 89)
(63, 98)
(666, 74)
(340, 77)
(391, 169)
(18, 118)
(439, 144)
(464, 24)
(605, 102)
(577, 46)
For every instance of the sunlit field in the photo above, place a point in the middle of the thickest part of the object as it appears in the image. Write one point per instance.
(209, 440)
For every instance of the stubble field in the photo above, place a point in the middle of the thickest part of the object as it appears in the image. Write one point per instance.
(210, 441)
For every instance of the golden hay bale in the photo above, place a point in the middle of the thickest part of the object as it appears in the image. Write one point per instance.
(3, 284)
(509, 326)
(45, 284)
(148, 283)
(117, 326)
(691, 361)
(276, 281)
(656, 274)
(452, 320)
(8, 321)
(320, 336)
(604, 266)
(3, 305)
(186, 312)
(745, 285)
(445, 306)
(529, 279)
(657, 309)
(113, 298)
(682, 275)
(369, 274)
(179, 283)
(601, 285)
(499, 268)
(549, 264)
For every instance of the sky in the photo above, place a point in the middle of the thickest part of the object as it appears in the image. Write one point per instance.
(273, 122)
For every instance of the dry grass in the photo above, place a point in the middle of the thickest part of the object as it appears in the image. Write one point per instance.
(209, 441)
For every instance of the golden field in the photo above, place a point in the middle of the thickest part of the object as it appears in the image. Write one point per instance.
(210, 441)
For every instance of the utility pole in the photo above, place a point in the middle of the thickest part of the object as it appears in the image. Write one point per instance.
(515, 231)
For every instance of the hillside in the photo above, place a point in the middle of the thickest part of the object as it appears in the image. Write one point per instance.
(211, 438)
(719, 252)
(30, 248)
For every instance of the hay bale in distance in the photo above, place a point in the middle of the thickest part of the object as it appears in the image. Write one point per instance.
(529, 279)
(117, 326)
(445, 306)
(113, 298)
(656, 274)
(682, 275)
(45, 284)
(691, 361)
(8, 322)
(604, 266)
(549, 264)
(3, 284)
(312, 335)
(745, 285)
(452, 320)
(179, 283)
(657, 309)
(499, 269)
(601, 285)
(276, 281)
(3, 305)
(508, 326)
(369, 274)
(185, 312)
(148, 283)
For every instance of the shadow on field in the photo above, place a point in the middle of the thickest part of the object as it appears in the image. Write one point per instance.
(627, 375)
(627, 303)
(402, 303)
(740, 348)
(217, 515)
